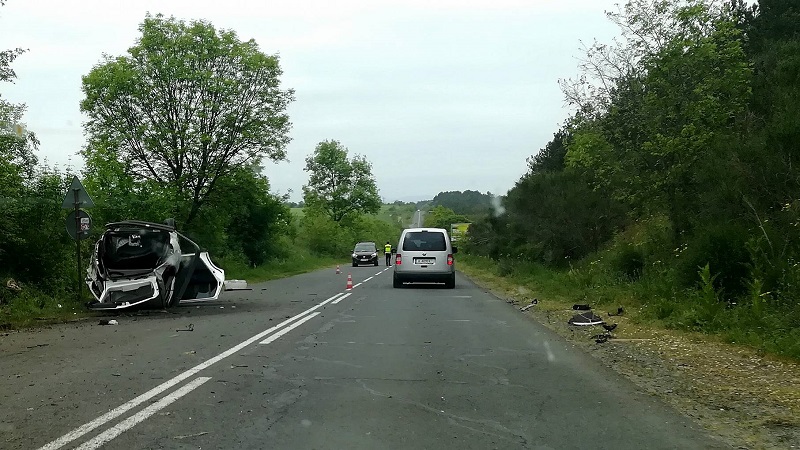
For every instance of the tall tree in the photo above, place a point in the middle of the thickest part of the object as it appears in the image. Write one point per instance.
(338, 186)
(187, 106)
(655, 139)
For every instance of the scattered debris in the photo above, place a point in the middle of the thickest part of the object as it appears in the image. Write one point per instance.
(108, 322)
(602, 339)
(534, 302)
(578, 307)
(584, 319)
(608, 327)
(38, 345)
(619, 312)
(190, 327)
(236, 285)
(11, 284)
(191, 435)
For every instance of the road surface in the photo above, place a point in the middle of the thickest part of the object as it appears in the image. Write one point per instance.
(304, 363)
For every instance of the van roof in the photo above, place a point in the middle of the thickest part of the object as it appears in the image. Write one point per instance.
(425, 229)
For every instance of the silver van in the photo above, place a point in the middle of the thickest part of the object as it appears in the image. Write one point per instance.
(425, 254)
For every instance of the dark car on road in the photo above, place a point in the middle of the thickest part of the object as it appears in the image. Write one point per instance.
(365, 253)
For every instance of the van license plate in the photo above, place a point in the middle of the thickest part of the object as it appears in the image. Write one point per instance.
(425, 261)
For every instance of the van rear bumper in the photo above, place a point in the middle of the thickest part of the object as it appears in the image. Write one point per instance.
(440, 277)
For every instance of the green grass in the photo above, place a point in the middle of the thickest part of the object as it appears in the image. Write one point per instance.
(31, 307)
(278, 268)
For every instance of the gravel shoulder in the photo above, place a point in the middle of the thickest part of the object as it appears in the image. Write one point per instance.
(748, 399)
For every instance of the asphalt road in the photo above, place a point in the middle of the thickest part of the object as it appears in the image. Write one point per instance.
(303, 363)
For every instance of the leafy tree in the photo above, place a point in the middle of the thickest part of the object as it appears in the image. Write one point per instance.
(253, 219)
(187, 106)
(551, 157)
(340, 187)
(653, 142)
(441, 217)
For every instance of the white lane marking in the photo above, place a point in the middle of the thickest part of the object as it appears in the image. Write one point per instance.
(122, 409)
(142, 415)
(356, 285)
(342, 298)
(368, 279)
(291, 327)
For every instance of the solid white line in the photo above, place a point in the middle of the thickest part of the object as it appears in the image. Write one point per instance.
(368, 279)
(142, 415)
(342, 298)
(291, 327)
(122, 409)
(356, 285)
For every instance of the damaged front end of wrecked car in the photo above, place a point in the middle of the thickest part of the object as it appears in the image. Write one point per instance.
(144, 264)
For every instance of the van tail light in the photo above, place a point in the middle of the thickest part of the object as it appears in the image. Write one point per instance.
(398, 260)
(449, 260)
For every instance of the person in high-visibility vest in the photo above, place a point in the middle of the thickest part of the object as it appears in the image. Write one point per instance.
(387, 251)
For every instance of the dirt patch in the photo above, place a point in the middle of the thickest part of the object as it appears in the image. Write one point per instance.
(748, 399)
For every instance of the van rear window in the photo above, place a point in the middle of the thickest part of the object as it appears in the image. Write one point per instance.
(422, 241)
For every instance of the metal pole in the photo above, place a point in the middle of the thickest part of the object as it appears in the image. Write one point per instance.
(77, 204)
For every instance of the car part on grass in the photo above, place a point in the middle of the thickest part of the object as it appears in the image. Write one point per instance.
(620, 311)
(585, 319)
(534, 302)
(144, 264)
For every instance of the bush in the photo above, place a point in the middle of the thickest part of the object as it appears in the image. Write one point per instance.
(628, 261)
(723, 247)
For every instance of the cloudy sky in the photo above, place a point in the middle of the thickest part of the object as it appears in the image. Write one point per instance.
(439, 95)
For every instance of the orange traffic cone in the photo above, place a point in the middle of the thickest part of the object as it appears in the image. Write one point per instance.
(338, 270)
(349, 281)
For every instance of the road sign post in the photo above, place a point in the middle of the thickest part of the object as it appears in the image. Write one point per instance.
(78, 222)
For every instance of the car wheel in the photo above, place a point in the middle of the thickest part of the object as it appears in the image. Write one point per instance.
(450, 283)
(396, 283)
(355, 265)
(376, 262)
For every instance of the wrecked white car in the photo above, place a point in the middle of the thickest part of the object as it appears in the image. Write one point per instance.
(144, 264)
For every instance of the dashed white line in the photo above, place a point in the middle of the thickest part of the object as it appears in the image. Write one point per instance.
(342, 298)
(357, 285)
(368, 279)
(291, 327)
(142, 415)
(125, 407)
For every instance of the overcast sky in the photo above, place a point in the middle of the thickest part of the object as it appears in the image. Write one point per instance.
(440, 95)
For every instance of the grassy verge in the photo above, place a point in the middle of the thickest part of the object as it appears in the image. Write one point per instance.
(651, 300)
(299, 263)
(31, 307)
